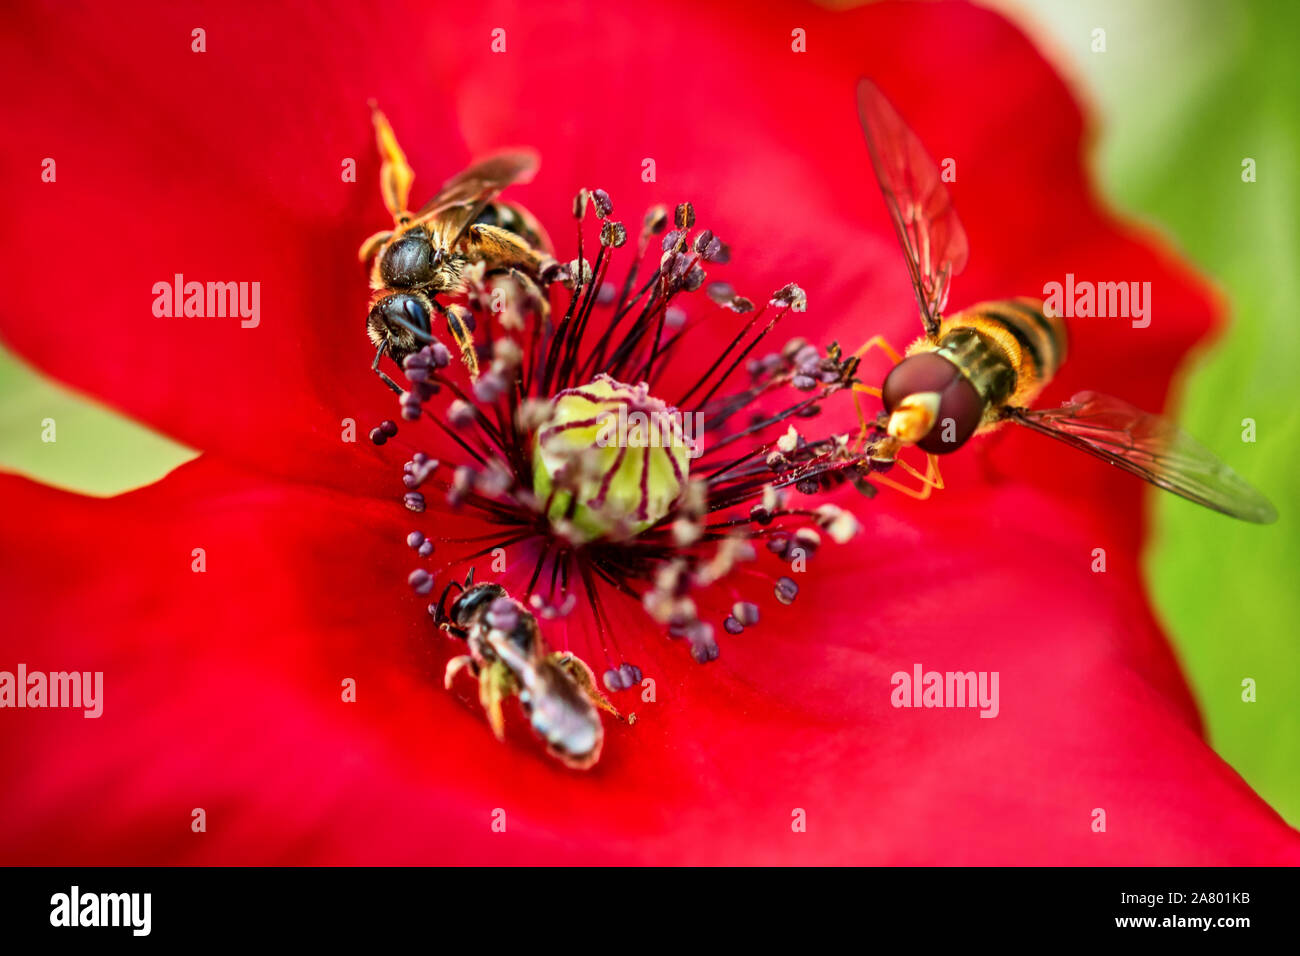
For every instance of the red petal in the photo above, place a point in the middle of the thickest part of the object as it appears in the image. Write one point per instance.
(222, 691)
(223, 688)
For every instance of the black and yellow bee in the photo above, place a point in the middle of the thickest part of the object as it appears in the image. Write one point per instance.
(427, 253)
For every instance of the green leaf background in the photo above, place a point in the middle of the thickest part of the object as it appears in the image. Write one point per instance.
(1185, 90)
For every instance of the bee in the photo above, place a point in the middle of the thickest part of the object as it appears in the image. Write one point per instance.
(508, 655)
(427, 253)
(973, 371)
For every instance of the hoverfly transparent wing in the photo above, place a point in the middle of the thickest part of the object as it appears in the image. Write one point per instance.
(1150, 447)
(464, 196)
(933, 240)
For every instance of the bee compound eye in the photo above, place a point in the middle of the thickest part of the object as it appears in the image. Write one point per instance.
(416, 312)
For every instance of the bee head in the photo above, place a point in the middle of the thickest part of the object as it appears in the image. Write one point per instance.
(401, 323)
(931, 404)
(477, 598)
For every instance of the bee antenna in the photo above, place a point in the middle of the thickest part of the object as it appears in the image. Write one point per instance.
(469, 578)
(419, 334)
(441, 618)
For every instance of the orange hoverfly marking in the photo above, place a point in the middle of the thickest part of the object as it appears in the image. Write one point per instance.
(970, 372)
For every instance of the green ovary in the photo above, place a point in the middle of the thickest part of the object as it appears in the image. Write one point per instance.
(613, 447)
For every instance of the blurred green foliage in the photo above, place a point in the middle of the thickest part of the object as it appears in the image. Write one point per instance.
(95, 450)
(1185, 91)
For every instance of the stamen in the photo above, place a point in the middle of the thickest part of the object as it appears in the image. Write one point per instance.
(546, 453)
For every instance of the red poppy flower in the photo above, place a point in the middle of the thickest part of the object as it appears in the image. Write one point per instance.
(222, 689)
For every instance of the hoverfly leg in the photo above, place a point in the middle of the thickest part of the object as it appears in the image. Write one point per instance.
(383, 376)
(585, 679)
(931, 481)
(876, 341)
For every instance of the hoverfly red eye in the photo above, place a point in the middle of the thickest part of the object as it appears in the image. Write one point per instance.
(960, 406)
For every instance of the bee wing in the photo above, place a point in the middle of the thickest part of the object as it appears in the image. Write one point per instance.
(463, 197)
(1150, 447)
(563, 715)
(933, 240)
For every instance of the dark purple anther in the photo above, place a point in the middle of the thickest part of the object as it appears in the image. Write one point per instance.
(703, 647)
(420, 580)
(415, 539)
(732, 626)
(779, 544)
(745, 612)
(414, 501)
(786, 590)
(410, 403)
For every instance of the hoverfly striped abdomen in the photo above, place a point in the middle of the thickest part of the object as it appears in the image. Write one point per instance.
(1015, 336)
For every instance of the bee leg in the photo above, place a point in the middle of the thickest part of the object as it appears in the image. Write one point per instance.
(932, 480)
(395, 173)
(371, 245)
(585, 680)
(465, 340)
(539, 297)
(495, 684)
(455, 666)
(383, 376)
(876, 341)
(501, 247)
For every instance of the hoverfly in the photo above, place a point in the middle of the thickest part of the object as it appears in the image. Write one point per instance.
(508, 655)
(427, 252)
(972, 371)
